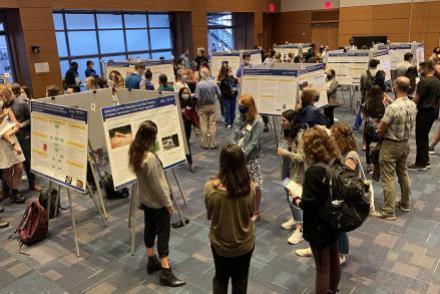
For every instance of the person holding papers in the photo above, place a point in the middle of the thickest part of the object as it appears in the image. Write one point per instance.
(11, 155)
(246, 132)
(155, 196)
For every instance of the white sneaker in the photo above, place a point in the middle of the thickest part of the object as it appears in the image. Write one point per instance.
(342, 259)
(306, 252)
(295, 238)
(289, 224)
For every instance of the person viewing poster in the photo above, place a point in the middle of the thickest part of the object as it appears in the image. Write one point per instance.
(121, 123)
(59, 144)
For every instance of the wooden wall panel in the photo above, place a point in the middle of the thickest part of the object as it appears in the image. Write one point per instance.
(356, 13)
(389, 26)
(392, 11)
(355, 27)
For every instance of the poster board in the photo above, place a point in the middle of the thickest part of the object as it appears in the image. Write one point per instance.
(59, 144)
(255, 55)
(398, 50)
(385, 64)
(313, 76)
(218, 58)
(349, 66)
(121, 122)
(157, 67)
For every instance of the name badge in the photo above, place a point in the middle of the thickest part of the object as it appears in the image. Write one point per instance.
(248, 128)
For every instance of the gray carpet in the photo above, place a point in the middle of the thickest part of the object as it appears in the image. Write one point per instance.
(386, 257)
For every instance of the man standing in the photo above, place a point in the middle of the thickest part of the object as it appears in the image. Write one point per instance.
(185, 59)
(133, 81)
(71, 78)
(21, 110)
(201, 59)
(428, 102)
(395, 130)
(90, 71)
(206, 94)
(402, 67)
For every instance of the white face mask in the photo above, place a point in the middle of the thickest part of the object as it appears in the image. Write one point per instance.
(186, 96)
(1, 103)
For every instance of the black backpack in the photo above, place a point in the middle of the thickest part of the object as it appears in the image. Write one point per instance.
(349, 203)
(107, 185)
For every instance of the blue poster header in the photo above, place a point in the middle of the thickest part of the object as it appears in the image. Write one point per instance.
(353, 53)
(137, 106)
(147, 63)
(310, 68)
(226, 54)
(380, 53)
(270, 72)
(59, 110)
(400, 46)
(251, 51)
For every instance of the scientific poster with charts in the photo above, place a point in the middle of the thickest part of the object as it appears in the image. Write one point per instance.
(274, 90)
(314, 77)
(121, 123)
(232, 59)
(59, 144)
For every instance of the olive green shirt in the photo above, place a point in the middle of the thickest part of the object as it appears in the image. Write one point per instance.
(232, 230)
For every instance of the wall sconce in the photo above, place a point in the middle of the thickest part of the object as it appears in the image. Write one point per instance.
(35, 49)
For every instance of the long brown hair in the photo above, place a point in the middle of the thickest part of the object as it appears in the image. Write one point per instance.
(343, 137)
(249, 102)
(143, 142)
(318, 146)
(234, 174)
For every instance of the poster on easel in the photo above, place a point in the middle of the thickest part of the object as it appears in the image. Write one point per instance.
(59, 144)
(121, 123)
(313, 76)
(231, 59)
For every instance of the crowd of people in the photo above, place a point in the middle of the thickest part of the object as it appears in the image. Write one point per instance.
(310, 139)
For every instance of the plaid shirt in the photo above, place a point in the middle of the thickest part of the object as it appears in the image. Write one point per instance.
(399, 117)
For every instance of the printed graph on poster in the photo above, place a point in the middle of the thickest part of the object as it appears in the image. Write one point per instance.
(59, 144)
(121, 123)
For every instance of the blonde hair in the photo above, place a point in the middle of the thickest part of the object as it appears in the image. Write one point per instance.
(91, 83)
(249, 102)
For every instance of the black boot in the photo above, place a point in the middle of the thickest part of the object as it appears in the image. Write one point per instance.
(153, 265)
(17, 197)
(167, 278)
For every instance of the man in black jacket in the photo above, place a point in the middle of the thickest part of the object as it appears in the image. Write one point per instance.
(71, 78)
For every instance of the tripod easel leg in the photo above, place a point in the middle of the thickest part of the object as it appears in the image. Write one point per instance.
(75, 234)
(178, 186)
(131, 219)
(91, 161)
(101, 213)
(275, 130)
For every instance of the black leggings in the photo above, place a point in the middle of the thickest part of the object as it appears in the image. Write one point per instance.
(157, 223)
(236, 268)
(188, 126)
(424, 121)
(328, 267)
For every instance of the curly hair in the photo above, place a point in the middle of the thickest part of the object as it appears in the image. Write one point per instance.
(318, 146)
(343, 137)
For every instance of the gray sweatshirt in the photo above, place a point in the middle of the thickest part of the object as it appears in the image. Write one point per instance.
(153, 189)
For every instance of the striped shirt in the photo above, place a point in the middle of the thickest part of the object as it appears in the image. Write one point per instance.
(399, 117)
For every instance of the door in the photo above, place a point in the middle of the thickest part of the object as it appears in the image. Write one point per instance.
(325, 34)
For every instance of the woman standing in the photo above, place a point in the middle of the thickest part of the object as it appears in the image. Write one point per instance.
(115, 80)
(190, 118)
(332, 89)
(229, 200)
(247, 130)
(154, 193)
(319, 148)
(11, 155)
(228, 87)
(190, 80)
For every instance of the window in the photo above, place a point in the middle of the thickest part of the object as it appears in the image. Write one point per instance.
(83, 36)
(5, 62)
(220, 32)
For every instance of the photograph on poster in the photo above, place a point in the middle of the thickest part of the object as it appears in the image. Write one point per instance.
(120, 136)
(170, 142)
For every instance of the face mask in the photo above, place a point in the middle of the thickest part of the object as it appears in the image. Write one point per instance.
(185, 96)
(1, 103)
(242, 109)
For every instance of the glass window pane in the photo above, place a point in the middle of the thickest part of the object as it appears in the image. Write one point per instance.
(61, 44)
(220, 20)
(2, 27)
(220, 40)
(5, 64)
(111, 41)
(137, 40)
(76, 21)
(82, 66)
(165, 54)
(58, 21)
(114, 58)
(109, 21)
(64, 64)
(83, 43)
(160, 39)
(135, 20)
(139, 56)
(159, 20)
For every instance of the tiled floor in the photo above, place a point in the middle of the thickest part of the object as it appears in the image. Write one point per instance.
(386, 257)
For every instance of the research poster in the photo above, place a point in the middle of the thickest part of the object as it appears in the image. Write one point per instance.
(232, 59)
(397, 52)
(59, 144)
(157, 67)
(274, 90)
(384, 57)
(255, 56)
(349, 66)
(121, 123)
(314, 77)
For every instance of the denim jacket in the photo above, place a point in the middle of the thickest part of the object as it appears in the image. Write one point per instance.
(248, 136)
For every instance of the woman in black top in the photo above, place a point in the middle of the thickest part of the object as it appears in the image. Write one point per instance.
(319, 148)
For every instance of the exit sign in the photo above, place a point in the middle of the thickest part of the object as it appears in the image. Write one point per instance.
(328, 4)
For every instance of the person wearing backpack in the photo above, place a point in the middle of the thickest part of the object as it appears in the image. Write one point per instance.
(367, 80)
(319, 150)
(155, 196)
(395, 131)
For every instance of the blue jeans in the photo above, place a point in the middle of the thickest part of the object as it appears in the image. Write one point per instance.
(297, 212)
(358, 120)
(229, 110)
(343, 243)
